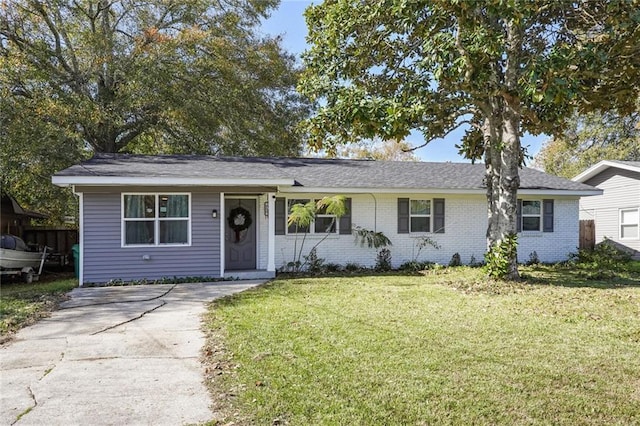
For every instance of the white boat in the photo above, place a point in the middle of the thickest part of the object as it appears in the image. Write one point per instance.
(16, 258)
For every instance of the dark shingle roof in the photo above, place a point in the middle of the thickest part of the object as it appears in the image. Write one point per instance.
(312, 172)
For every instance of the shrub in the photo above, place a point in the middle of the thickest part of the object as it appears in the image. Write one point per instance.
(533, 259)
(604, 259)
(332, 267)
(497, 258)
(313, 261)
(474, 263)
(352, 267)
(455, 260)
(383, 260)
(415, 266)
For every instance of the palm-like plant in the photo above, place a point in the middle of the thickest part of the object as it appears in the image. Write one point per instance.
(301, 216)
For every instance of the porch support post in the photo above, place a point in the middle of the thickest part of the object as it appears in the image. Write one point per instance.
(222, 231)
(271, 252)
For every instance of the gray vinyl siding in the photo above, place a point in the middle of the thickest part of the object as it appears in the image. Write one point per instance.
(105, 259)
(621, 191)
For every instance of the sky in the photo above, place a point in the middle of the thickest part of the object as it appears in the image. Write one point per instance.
(288, 22)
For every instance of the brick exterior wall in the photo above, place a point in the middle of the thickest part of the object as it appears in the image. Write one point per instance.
(465, 230)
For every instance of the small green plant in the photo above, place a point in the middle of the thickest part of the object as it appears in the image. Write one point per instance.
(604, 261)
(352, 267)
(302, 216)
(497, 262)
(383, 260)
(415, 266)
(331, 267)
(473, 262)
(421, 243)
(313, 261)
(455, 260)
(533, 259)
(371, 238)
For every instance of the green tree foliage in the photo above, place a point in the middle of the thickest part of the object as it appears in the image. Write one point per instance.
(589, 139)
(146, 77)
(498, 68)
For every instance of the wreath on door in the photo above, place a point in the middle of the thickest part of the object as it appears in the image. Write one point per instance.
(239, 219)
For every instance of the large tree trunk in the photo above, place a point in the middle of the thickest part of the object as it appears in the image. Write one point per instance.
(502, 160)
(503, 155)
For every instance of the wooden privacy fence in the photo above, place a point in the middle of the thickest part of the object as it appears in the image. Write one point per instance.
(59, 242)
(587, 234)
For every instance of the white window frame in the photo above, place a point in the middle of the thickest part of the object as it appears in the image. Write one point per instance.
(428, 216)
(312, 225)
(540, 216)
(156, 220)
(636, 224)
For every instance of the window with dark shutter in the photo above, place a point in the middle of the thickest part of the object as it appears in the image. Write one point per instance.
(403, 215)
(438, 215)
(547, 209)
(281, 216)
(345, 220)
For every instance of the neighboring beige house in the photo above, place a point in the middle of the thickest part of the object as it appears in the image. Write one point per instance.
(617, 211)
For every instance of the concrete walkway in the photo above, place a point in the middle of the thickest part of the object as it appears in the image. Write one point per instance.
(113, 356)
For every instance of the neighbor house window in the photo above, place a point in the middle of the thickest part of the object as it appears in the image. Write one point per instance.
(629, 224)
(531, 215)
(420, 215)
(156, 219)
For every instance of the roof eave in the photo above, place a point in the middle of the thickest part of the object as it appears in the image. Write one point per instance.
(461, 191)
(163, 181)
(600, 167)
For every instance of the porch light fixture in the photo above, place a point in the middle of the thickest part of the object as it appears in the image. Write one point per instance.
(214, 213)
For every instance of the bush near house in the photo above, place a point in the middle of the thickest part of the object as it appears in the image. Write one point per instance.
(443, 347)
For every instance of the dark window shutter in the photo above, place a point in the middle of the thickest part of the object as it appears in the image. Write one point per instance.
(547, 221)
(519, 216)
(438, 215)
(281, 216)
(403, 215)
(345, 220)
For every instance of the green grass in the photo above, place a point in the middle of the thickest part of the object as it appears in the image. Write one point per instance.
(444, 348)
(22, 304)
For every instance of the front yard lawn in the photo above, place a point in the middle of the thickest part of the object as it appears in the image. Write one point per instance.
(22, 304)
(443, 348)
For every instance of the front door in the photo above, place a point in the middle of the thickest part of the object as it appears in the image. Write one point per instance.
(240, 233)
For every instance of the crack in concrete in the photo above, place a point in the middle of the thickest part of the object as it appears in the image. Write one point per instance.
(50, 369)
(28, 409)
(120, 301)
(130, 320)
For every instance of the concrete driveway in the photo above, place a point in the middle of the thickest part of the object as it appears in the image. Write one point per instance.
(113, 356)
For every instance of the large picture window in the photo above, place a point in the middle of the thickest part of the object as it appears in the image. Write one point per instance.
(629, 224)
(156, 219)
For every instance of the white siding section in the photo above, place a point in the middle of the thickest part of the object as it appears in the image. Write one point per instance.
(104, 259)
(465, 231)
(621, 191)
